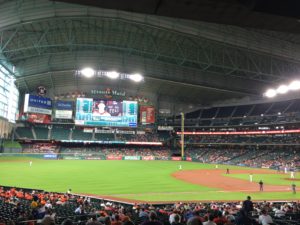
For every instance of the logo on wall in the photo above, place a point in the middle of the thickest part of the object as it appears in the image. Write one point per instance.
(109, 93)
(41, 90)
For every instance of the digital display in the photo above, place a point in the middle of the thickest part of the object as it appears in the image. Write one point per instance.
(97, 112)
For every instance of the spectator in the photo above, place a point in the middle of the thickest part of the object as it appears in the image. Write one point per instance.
(264, 218)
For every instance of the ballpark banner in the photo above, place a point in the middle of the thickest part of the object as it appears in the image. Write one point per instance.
(113, 157)
(149, 157)
(176, 158)
(50, 156)
(39, 118)
(147, 114)
(63, 110)
(37, 104)
(132, 157)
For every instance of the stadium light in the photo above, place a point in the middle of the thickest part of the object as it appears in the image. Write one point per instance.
(295, 85)
(282, 89)
(270, 93)
(112, 75)
(88, 72)
(136, 77)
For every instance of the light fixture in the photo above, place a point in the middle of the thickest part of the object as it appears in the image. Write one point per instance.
(136, 77)
(270, 93)
(112, 75)
(88, 72)
(295, 85)
(282, 89)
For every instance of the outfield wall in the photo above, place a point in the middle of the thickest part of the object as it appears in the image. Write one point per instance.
(98, 156)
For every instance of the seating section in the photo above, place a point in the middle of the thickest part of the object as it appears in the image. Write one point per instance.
(60, 133)
(281, 139)
(78, 134)
(104, 137)
(18, 205)
(41, 133)
(270, 157)
(24, 132)
(240, 115)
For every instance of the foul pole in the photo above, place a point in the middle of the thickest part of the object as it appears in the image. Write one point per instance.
(182, 136)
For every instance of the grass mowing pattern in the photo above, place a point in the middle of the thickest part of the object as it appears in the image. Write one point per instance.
(141, 180)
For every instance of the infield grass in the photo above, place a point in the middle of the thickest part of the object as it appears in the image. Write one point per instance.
(138, 180)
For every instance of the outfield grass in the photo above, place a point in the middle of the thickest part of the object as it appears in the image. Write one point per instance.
(140, 180)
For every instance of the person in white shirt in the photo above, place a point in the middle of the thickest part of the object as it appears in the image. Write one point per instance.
(48, 205)
(279, 213)
(172, 217)
(264, 218)
(251, 177)
(292, 174)
(180, 167)
(30, 163)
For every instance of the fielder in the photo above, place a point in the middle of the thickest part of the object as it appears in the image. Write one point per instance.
(250, 177)
(180, 167)
(292, 174)
(30, 163)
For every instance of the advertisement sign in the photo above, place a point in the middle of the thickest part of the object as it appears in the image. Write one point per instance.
(38, 118)
(189, 159)
(37, 104)
(50, 156)
(147, 114)
(150, 157)
(94, 112)
(72, 157)
(64, 105)
(113, 157)
(63, 109)
(132, 157)
(63, 114)
(93, 158)
(176, 158)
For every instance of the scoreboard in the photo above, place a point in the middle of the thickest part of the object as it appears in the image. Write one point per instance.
(97, 112)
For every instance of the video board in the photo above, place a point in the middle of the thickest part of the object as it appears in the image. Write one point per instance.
(106, 113)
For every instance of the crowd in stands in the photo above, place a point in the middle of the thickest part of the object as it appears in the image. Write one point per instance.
(242, 139)
(268, 157)
(271, 157)
(148, 137)
(157, 151)
(29, 207)
(40, 148)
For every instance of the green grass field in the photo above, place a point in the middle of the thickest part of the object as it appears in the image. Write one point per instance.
(137, 180)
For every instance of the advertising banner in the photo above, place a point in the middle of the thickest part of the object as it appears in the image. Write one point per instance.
(63, 114)
(64, 105)
(150, 157)
(189, 159)
(63, 109)
(147, 114)
(113, 157)
(93, 158)
(132, 157)
(39, 118)
(50, 156)
(176, 158)
(72, 157)
(37, 104)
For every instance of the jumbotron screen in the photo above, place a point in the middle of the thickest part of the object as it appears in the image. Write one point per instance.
(108, 113)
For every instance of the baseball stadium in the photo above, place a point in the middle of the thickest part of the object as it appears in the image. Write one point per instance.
(149, 112)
